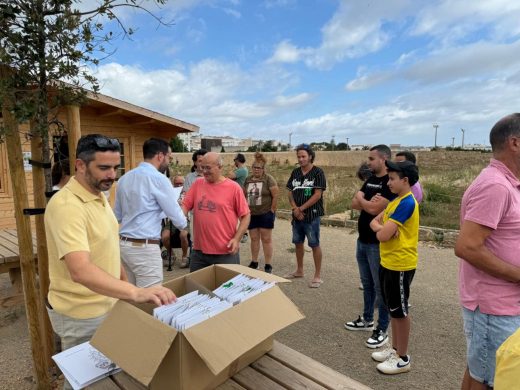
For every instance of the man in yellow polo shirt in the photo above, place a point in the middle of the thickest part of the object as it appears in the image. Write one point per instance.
(86, 276)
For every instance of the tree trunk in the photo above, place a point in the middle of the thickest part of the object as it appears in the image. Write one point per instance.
(14, 151)
(43, 260)
(73, 134)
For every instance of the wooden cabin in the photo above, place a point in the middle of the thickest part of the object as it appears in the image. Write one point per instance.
(130, 124)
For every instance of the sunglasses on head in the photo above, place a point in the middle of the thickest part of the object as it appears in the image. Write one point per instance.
(105, 142)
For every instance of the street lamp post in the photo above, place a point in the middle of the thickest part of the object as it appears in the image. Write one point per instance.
(452, 142)
(290, 135)
(348, 148)
(435, 126)
(333, 142)
(463, 131)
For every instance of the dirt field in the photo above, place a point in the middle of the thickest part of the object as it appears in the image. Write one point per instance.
(437, 344)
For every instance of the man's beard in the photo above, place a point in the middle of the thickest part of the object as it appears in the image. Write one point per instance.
(163, 168)
(98, 185)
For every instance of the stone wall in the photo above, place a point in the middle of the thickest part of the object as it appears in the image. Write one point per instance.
(354, 158)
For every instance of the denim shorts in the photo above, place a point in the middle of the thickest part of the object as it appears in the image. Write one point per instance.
(311, 230)
(484, 334)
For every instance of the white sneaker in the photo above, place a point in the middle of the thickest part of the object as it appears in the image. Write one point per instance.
(394, 365)
(381, 356)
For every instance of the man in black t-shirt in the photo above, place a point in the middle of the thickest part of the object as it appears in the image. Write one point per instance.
(371, 199)
(306, 186)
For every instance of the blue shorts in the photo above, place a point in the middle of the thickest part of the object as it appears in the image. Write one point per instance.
(484, 334)
(311, 230)
(262, 221)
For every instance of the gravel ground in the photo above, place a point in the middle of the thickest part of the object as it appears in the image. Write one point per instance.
(437, 343)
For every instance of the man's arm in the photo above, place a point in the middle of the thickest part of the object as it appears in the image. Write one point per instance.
(386, 231)
(234, 243)
(373, 206)
(298, 214)
(312, 200)
(355, 202)
(470, 247)
(164, 196)
(84, 272)
(232, 175)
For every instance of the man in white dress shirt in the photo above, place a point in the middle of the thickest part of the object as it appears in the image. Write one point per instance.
(144, 197)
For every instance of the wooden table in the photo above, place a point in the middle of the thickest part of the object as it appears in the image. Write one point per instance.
(281, 368)
(10, 263)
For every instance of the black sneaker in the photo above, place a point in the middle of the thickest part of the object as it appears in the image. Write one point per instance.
(378, 339)
(268, 268)
(359, 324)
(253, 264)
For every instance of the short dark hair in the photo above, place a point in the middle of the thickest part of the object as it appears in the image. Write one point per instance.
(153, 146)
(308, 149)
(59, 169)
(364, 172)
(240, 158)
(89, 144)
(383, 150)
(404, 169)
(408, 156)
(502, 130)
(197, 153)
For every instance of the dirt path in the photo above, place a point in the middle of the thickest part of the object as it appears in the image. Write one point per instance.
(437, 343)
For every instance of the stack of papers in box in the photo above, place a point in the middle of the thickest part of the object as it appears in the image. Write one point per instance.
(190, 309)
(241, 288)
(83, 365)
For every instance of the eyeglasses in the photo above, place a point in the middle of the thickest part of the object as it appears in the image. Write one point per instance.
(178, 184)
(257, 167)
(206, 167)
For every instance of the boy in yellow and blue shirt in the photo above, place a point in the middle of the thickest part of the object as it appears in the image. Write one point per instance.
(397, 229)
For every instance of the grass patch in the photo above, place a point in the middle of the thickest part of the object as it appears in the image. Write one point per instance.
(443, 183)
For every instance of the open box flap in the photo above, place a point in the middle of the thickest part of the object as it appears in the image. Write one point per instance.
(134, 340)
(240, 269)
(223, 338)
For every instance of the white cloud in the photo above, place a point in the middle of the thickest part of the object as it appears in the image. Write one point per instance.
(285, 52)
(479, 59)
(278, 3)
(209, 93)
(356, 29)
(450, 19)
(233, 12)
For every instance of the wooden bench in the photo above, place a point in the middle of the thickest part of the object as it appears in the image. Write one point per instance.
(281, 368)
(10, 263)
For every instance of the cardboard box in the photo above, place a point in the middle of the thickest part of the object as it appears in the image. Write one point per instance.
(205, 355)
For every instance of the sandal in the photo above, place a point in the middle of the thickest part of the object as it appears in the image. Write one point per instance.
(315, 284)
(293, 276)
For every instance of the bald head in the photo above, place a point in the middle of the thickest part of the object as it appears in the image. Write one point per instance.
(212, 167)
(212, 158)
(178, 181)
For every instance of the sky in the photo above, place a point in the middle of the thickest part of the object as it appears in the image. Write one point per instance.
(368, 71)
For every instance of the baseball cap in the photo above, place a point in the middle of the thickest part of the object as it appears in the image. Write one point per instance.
(407, 168)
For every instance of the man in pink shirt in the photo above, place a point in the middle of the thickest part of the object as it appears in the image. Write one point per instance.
(489, 247)
(218, 203)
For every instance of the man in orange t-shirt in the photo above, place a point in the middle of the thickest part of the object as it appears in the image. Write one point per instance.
(218, 203)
